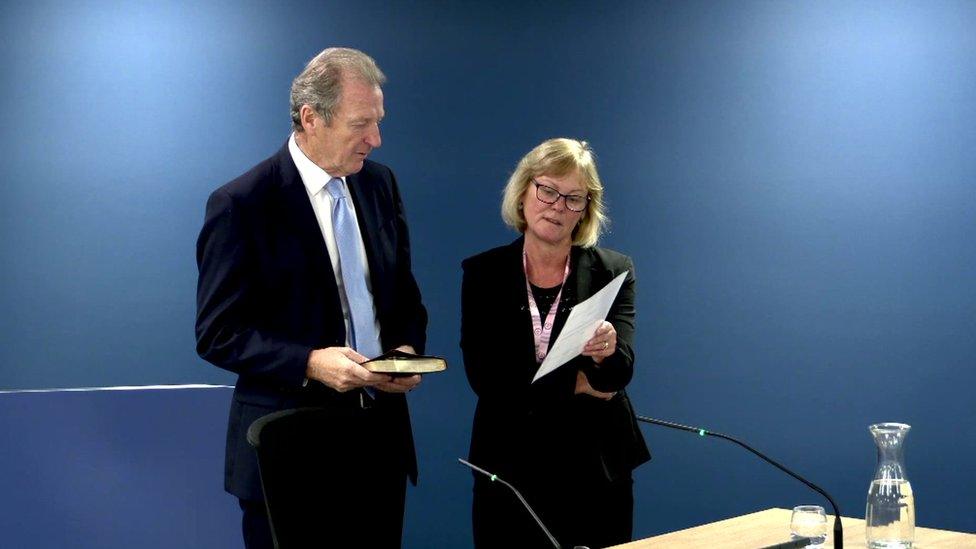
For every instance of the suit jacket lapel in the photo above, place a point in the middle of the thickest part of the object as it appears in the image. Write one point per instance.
(512, 280)
(363, 194)
(590, 274)
(297, 211)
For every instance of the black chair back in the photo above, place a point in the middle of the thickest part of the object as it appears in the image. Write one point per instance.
(293, 451)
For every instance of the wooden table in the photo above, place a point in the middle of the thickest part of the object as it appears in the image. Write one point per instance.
(772, 526)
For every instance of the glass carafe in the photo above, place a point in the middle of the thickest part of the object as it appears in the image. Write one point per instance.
(890, 514)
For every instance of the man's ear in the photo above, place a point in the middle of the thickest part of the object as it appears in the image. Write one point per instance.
(310, 119)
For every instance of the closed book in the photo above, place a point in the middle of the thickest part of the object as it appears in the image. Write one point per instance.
(397, 362)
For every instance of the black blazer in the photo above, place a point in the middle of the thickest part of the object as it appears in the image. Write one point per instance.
(518, 423)
(267, 296)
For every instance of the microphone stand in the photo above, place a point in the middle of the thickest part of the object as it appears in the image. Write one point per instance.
(496, 478)
(838, 529)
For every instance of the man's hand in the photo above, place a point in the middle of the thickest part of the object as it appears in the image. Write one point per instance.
(401, 384)
(338, 367)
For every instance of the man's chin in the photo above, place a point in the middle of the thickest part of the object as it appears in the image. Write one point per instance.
(355, 167)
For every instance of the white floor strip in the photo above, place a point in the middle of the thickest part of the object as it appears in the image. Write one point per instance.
(119, 388)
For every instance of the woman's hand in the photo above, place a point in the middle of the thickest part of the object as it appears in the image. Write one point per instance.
(583, 387)
(603, 343)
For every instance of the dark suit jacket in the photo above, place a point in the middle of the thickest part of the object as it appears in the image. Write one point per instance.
(519, 426)
(267, 296)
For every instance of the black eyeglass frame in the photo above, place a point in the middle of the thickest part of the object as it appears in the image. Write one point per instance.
(565, 197)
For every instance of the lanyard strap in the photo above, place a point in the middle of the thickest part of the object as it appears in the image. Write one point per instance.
(541, 333)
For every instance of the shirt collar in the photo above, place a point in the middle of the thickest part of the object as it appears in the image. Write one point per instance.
(314, 177)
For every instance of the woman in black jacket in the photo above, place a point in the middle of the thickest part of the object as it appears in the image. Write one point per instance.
(569, 441)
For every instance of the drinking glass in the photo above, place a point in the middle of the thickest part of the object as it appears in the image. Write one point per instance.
(809, 521)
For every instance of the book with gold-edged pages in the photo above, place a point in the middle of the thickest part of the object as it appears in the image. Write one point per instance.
(399, 363)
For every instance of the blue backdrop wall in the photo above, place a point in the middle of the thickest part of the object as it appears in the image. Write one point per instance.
(795, 182)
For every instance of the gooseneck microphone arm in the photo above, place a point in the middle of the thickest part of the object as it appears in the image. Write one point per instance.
(496, 478)
(838, 529)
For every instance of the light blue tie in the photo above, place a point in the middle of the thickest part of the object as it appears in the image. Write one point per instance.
(363, 336)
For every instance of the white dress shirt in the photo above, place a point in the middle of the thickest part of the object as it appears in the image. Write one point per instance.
(315, 179)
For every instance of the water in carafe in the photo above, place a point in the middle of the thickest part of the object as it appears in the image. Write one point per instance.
(890, 513)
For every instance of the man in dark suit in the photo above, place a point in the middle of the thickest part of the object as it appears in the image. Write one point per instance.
(305, 273)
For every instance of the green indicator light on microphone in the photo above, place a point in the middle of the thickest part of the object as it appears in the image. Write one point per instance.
(701, 432)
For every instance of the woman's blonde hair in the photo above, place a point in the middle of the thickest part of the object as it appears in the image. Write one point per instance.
(558, 158)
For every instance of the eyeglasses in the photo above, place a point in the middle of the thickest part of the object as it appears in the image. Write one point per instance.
(574, 202)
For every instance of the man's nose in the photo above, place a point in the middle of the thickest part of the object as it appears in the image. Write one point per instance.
(373, 138)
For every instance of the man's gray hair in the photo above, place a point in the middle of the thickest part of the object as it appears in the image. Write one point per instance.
(320, 85)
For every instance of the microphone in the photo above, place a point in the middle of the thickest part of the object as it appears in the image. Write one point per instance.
(838, 529)
(496, 478)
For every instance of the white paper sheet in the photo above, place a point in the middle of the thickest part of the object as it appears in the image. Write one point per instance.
(580, 326)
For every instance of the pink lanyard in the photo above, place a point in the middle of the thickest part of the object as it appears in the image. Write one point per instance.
(539, 332)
